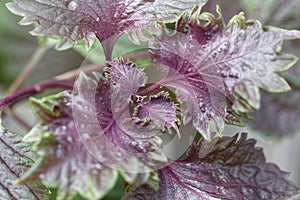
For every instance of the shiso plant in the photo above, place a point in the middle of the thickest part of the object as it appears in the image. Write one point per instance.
(113, 126)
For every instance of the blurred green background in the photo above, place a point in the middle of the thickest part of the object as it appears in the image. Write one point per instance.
(16, 47)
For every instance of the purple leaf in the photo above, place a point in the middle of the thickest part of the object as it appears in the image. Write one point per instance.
(86, 141)
(161, 110)
(210, 63)
(247, 56)
(160, 10)
(82, 21)
(126, 76)
(74, 21)
(226, 168)
(64, 161)
(278, 115)
(105, 110)
(15, 159)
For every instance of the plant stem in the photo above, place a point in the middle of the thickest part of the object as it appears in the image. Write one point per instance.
(30, 91)
(29, 66)
(62, 81)
(108, 46)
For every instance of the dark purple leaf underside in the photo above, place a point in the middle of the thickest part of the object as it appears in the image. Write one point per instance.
(228, 169)
(279, 114)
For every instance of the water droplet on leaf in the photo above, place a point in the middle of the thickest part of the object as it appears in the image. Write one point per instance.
(224, 74)
(98, 166)
(134, 143)
(201, 104)
(188, 165)
(69, 139)
(72, 5)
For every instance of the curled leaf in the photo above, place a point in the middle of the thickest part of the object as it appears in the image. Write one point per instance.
(82, 141)
(126, 76)
(108, 120)
(161, 110)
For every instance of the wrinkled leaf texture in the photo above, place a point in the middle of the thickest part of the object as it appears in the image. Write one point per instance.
(212, 63)
(279, 113)
(63, 160)
(161, 110)
(15, 159)
(77, 20)
(227, 168)
(126, 77)
(82, 140)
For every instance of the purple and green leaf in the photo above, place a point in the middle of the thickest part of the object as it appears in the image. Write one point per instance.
(125, 76)
(82, 141)
(107, 111)
(63, 160)
(161, 110)
(217, 70)
(16, 157)
(279, 113)
(210, 63)
(78, 21)
(226, 168)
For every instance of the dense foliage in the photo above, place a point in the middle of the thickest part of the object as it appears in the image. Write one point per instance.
(114, 124)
